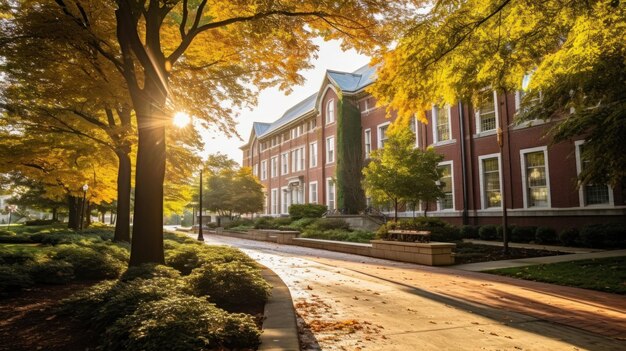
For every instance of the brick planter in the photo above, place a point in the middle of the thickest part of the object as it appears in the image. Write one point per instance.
(432, 254)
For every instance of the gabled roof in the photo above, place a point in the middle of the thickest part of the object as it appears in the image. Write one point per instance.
(345, 81)
(304, 106)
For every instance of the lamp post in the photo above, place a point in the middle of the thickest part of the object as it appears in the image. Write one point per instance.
(82, 208)
(505, 226)
(200, 236)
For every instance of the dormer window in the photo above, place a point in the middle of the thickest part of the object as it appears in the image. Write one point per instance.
(330, 111)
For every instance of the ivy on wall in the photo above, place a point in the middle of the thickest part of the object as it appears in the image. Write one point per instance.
(350, 195)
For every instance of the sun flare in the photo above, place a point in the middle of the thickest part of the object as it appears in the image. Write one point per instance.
(181, 119)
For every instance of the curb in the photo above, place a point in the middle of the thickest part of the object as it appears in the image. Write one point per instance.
(280, 331)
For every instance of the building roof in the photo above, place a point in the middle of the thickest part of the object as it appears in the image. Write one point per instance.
(346, 81)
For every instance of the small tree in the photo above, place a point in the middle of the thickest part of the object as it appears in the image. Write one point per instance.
(400, 172)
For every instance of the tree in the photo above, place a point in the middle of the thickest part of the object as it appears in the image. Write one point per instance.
(399, 172)
(575, 50)
(350, 196)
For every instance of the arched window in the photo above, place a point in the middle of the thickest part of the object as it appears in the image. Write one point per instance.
(330, 111)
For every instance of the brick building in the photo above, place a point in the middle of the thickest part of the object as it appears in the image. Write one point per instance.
(295, 158)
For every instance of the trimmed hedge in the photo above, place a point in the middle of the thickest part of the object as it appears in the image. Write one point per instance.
(440, 230)
(545, 235)
(488, 232)
(468, 232)
(523, 234)
(299, 211)
(357, 236)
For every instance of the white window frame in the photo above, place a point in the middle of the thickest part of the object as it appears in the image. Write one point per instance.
(367, 142)
(313, 154)
(379, 140)
(285, 193)
(328, 197)
(522, 154)
(284, 161)
(477, 118)
(274, 169)
(332, 143)
(439, 207)
(311, 199)
(301, 159)
(330, 107)
(434, 116)
(483, 198)
(274, 205)
(581, 190)
(416, 124)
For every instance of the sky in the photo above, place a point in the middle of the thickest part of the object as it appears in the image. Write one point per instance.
(272, 103)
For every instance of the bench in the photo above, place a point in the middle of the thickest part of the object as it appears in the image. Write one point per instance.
(420, 236)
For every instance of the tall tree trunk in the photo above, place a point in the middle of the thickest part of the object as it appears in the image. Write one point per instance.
(73, 217)
(395, 210)
(147, 238)
(55, 214)
(87, 214)
(122, 225)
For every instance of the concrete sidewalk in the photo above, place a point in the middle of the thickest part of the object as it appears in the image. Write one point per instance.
(535, 246)
(522, 262)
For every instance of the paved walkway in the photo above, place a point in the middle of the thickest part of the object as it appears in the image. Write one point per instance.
(358, 303)
(535, 246)
(522, 262)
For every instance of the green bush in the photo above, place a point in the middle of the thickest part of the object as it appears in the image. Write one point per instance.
(569, 237)
(488, 232)
(16, 256)
(440, 230)
(444, 234)
(51, 272)
(358, 236)
(36, 222)
(13, 278)
(593, 235)
(545, 235)
(231, 285)
(184, 258)
(301, 223)
(501, 232)
(12, 238)
(240, 222)
(306, 211)
(265, 223)
(324, 224)
(149, 271)
(182, 323)
(523, 234)
(469, 232)
(90, 263)
(614, 235)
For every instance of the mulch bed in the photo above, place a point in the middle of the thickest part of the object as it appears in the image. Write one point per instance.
(473, 253)
(28, 321)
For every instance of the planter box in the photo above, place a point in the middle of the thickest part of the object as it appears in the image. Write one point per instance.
(432, 254)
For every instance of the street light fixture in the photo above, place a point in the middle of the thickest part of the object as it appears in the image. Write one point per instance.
(200, 236)
(82, 208)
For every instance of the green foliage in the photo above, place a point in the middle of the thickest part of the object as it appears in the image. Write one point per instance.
(357, 236)
(400, 172)
(609, 235)
(488, 232)
(439, 230)
(184, 258)
(350, 195)
(149, 271)
(299, 211)
(301, 223)
(181, 323)
(522, 234)
(569, 237)
(16, 255)
(12, 238)
(330, 224)
(13, 278)
(51, 272)
(35, 222)
(232, 286)
(240, 222)
(272, 222)
(545, 235)
(90, 263)
(469, 232)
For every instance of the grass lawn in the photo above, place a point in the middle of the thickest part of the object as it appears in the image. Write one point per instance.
(602, 274)
(473, 253)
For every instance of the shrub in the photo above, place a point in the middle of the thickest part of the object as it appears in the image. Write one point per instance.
(13, 278)
(149, 271)
(614, 235)
(240, 222)
(12, 238)
(592, 236)
(523, 234)
(306, 211)
(265, 223)
(181, 323)
(179, 238)
(468, 232)
(488, 232)
(358, 236)
(15, 256)
(330, 224)
(51, 272)
(36, 222)
(184, 258)
(501, 232)
(444, 234)
(230, 285)
(569, 237)
(89, 263)
(545, 235)
(301, 223)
